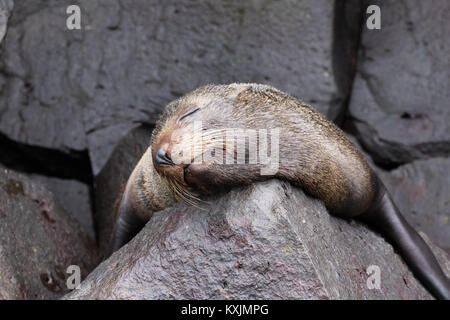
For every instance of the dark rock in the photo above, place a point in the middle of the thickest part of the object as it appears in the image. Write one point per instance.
(74, 197)
(266, 241)
(400, 98)
(110, 181)
(85, 89)
(348, 19)
(6, 7)
(39, 240)
(32, 159)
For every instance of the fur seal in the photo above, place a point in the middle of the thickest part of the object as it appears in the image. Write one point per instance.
(314, 154)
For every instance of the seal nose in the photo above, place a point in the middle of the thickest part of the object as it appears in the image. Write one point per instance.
(161, 157)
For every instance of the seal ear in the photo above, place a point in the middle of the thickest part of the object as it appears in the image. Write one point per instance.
(191, 112)
(236, 88)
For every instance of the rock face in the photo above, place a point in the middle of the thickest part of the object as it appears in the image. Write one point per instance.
(6, 7)
(400, 98)
(85, 89)
(74, 197)
(266, 241)
(39, 240)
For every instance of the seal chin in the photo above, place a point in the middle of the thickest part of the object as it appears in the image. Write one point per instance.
(203, 178)
(191, 177)
(172, 172)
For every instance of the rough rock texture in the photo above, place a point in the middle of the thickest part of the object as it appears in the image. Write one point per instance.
(85, 89)
(400, 98)
(6, 7)
(112, 178)
(39, 240)
(265, 241)
(74, 197)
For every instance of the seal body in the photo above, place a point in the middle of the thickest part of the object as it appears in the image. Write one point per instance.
(221, 136)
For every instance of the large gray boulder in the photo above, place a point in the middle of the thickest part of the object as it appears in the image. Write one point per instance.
(85, 89)
(39, 241)
(266, 241)
(400, 98)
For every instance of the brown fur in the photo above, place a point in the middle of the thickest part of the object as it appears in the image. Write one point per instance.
(314, 154)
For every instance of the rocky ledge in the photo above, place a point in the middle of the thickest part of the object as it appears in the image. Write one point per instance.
(265, 241)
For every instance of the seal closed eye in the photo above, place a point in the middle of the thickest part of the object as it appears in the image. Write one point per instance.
(314, 154)
(188, 114)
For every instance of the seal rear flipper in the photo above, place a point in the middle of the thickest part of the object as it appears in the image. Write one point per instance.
(386, 218)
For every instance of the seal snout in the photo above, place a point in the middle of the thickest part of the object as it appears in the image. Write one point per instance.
(162, 157)
(165, 165)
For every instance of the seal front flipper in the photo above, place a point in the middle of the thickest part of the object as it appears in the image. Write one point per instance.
(386, 218)
(127, 223)
(145, 192)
